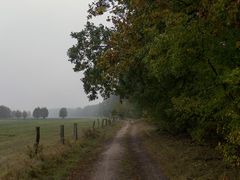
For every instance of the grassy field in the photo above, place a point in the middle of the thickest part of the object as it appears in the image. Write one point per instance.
(16, 135)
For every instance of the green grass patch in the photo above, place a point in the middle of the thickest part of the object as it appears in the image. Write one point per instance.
(16, 135)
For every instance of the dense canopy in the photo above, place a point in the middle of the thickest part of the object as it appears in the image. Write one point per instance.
(179, 60)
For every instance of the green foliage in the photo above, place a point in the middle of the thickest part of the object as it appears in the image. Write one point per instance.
(5, 112)
(44, 113)
(90, 133)
(18, 114)
(24, 114)
(116, 107)
(37, 112)
(63, 113)
(91, 43)
(31, 152)
(178, 60)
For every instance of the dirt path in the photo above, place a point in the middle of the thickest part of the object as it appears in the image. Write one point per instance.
(109, 165)
(147, 169)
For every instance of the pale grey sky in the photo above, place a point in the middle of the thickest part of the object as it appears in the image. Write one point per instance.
(34, 38)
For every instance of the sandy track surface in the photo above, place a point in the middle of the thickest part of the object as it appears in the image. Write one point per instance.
(108, 166)
(147, 169)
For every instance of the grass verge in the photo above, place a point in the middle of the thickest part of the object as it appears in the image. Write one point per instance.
(71, 161)
(181, 159)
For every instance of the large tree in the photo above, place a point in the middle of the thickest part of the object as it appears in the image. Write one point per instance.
(24, 114)
(63, 113)
(13, 114)
(18, 114)
(44, 113)
(37, 113)
(5, 112)
(91, 43)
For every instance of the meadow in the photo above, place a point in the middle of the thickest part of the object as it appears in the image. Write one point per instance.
(17, 135)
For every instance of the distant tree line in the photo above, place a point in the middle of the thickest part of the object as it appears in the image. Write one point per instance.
(109, 107)
(44, 113)
(6, 112)
(40, 113)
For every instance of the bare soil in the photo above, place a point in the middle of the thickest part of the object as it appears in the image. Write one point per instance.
(147, 168)
(139, 152)
(109, 167)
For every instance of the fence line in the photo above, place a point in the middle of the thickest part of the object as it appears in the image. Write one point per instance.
(105, 122)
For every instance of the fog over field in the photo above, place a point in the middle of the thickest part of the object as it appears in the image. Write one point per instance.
(34, 39)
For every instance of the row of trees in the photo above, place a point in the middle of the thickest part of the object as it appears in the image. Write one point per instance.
(20, 114)
(5, 112)
(40, 112)
(43, 113)
(113, 106)
(109, 107)
(178, 60)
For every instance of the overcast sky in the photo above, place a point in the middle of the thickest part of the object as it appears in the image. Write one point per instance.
(34, 39)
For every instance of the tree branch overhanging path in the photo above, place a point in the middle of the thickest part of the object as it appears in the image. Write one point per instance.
(177, 60)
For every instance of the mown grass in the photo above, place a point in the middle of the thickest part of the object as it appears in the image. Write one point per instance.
(17, 135)
(181, 159)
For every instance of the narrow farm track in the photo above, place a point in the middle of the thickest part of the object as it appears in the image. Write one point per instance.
(109, 165)
(147, 169)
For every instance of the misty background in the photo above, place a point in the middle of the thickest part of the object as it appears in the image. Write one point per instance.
(34, 39)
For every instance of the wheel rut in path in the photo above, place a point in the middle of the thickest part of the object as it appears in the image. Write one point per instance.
(146, 167)
(108, 166)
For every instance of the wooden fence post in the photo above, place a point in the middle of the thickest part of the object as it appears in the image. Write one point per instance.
(75, 131)
(62, 134)
(102, 123)
(106, 122)
(37, 141)
(94, 124)
(98, 123)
